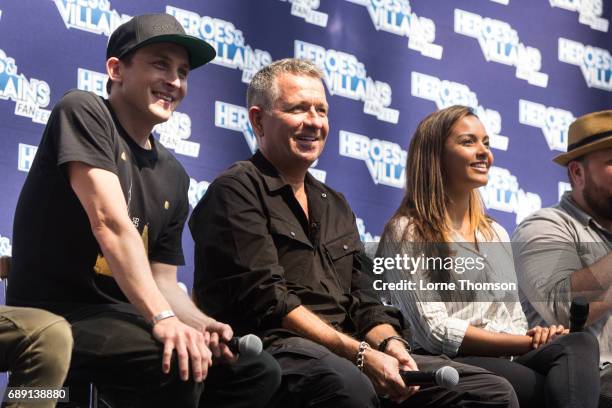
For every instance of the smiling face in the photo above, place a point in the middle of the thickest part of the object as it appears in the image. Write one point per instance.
(467, 157)
(293, 131)
(154, 82)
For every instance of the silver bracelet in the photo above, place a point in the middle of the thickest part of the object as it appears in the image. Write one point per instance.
(363, 346)
(164, 314)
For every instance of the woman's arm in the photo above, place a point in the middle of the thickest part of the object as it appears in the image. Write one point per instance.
(481, 342)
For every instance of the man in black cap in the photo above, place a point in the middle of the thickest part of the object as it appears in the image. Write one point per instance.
(97, 234)
(565, 251)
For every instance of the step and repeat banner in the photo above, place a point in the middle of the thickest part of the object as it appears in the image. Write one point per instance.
(528, 68)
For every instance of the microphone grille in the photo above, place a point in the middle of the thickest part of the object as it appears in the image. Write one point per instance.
(447, 377)
(250, 346)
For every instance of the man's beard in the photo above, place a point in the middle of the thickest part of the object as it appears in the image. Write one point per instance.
(597, 198)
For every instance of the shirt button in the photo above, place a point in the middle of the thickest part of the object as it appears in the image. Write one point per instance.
(323, 195)
(345, 247)
(292, 234)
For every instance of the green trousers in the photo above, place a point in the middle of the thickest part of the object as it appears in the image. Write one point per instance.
(35, 346)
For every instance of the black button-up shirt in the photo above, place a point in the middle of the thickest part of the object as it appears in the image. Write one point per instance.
(257, 255)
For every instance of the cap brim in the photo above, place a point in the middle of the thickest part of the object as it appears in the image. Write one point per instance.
(565, 158)
(200, 52)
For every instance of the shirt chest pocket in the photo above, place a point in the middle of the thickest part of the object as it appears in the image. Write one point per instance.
(340, 253)
(294, 251)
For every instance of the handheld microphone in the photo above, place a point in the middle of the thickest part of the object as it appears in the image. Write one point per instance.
(246, 346)
(579, 313)
(446, 377)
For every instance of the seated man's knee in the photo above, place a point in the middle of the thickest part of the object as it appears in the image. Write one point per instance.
(54, 347)
(58, 335)
(265, 371)
(500, 389)
(488, 387)
(343, 383)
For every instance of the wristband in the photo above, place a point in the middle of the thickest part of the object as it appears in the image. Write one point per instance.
(363, 346)
(164, 314)
(383, 344)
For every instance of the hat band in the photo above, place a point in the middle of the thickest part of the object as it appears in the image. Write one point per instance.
(588, 140)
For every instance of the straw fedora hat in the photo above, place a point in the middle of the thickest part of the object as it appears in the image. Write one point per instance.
(588, 133)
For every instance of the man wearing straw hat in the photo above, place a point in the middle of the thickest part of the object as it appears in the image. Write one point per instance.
(566, 251)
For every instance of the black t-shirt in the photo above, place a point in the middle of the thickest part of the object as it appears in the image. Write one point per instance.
(57, 261)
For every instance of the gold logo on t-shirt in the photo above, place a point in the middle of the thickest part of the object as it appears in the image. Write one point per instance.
(101, 267)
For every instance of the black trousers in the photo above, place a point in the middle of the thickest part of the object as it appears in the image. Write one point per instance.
(115, 350)
(605, 397)
(561, 374)
(313, 376)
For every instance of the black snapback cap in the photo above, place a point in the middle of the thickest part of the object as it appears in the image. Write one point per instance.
(155, 28)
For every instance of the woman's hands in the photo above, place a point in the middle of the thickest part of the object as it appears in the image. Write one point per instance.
(542, 335)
